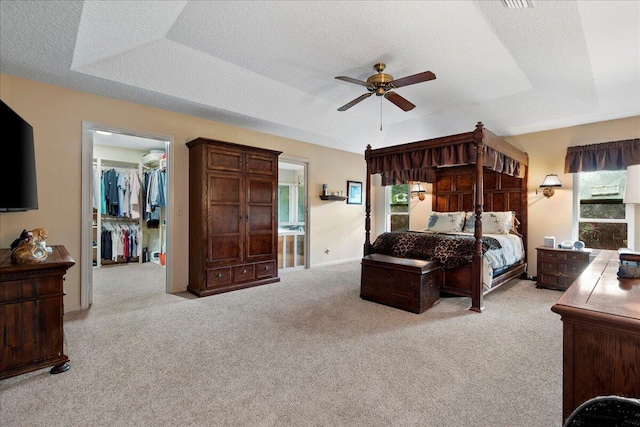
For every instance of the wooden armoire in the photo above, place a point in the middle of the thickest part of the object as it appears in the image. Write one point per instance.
(233, 214)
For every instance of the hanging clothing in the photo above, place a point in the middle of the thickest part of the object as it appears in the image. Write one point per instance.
(111, 192)
(120, 242)
(156, 194)
(134, 202)
(96, 184)
(120, 193)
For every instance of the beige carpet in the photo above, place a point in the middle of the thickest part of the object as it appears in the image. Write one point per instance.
(303, 352)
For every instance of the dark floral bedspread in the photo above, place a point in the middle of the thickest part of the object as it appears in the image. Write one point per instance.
(449, 250)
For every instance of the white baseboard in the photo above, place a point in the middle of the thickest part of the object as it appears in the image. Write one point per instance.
(68, 309)
(342, 261)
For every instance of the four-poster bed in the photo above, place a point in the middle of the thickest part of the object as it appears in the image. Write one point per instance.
(472, 173)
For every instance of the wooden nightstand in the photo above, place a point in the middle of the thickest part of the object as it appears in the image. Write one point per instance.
(558, 268)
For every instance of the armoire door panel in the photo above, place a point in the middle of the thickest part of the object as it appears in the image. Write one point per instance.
(222, 188)
(222, 159)
(225, 219)
(225, 248)
(264, 165)
(261, 218)
(260, 190)
(261, 244)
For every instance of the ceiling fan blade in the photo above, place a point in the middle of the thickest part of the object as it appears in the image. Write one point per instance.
(355, 101)
(416, 78)
(399, 101)
(351, 80)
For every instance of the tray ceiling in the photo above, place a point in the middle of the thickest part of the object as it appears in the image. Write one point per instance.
(270, 65)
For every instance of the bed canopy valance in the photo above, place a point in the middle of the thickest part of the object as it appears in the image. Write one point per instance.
(417, 161)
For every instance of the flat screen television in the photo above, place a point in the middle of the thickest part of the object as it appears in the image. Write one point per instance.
(18, 190)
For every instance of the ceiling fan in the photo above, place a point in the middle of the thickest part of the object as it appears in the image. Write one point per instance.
(381, 84)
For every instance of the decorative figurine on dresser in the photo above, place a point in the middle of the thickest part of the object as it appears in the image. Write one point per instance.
(31, 305)
(233, 206)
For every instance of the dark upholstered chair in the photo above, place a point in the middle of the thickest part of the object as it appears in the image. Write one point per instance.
(606, 411)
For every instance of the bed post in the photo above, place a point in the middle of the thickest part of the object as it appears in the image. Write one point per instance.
(367, 207)
(476, 279)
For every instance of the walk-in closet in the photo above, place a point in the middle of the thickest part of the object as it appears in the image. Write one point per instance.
(129, 204)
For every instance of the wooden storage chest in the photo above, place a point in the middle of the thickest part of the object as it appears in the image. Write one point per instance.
(407, 284)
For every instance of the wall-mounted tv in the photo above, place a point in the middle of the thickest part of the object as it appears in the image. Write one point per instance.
(18, 190)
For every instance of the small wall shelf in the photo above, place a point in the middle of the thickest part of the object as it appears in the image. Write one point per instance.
(331, 197)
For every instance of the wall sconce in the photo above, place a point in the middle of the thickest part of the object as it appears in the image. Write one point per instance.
(417, 191)
(548, 183)
(632, 185)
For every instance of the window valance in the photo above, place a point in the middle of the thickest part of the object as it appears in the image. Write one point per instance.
(616, 155)
(419, 165)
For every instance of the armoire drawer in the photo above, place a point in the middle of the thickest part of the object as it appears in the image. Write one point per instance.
(265, 269)
(244, 272)
(218, 276)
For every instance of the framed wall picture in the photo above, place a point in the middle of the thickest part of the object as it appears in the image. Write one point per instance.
(354, 192)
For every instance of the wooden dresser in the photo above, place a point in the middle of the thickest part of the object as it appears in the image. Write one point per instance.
(31, 310)
(601, 334)
(558, 268)
(233, 206)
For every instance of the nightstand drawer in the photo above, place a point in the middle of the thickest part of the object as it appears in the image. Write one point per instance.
(554, 281)
(550, 255)
(550, 266)
(573, 269)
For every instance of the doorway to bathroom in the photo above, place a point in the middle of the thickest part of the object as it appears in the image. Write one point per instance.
(293, 230)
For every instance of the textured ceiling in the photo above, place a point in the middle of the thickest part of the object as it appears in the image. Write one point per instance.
(270, 66)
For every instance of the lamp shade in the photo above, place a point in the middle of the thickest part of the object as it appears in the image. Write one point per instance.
(551, 180)
(417, 188)
(632, 186)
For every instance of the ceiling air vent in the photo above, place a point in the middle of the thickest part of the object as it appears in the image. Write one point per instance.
(518, 4)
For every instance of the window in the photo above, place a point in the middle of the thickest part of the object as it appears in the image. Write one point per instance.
(603, 220)
(291, 204)
(397, 207)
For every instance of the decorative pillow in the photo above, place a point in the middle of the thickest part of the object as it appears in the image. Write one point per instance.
(492, 222)
(445, 222)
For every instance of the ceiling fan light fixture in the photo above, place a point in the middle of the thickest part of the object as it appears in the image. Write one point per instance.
(518, 4)
(381, 84)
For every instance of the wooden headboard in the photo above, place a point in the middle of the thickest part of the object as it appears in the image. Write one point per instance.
(454, 190)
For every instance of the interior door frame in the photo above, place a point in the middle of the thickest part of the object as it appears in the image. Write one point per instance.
(86, 265)
(307, 223)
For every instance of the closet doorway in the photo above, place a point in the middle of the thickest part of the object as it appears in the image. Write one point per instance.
(125, 214)
(293, 221)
